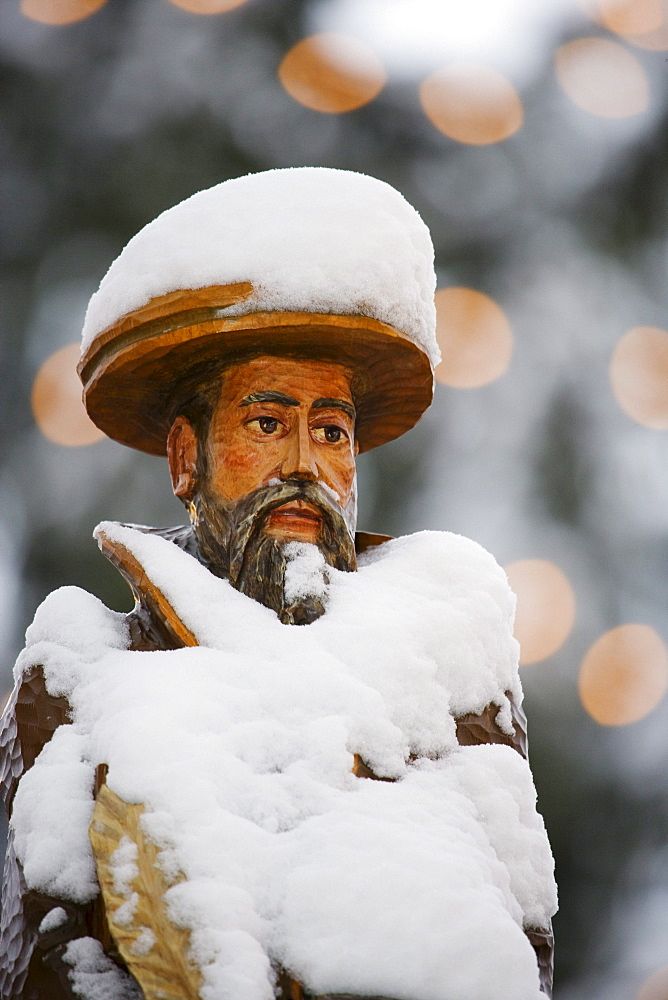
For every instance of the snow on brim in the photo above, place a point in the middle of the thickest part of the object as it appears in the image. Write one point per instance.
(309, 239)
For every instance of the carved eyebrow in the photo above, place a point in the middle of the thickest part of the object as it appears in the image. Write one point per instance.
(337, 404)
(269, 396)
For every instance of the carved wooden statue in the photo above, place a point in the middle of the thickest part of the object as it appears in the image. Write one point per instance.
(206, 801)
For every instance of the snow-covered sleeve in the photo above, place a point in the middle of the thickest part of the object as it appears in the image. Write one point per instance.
(30, 719)
(36, 926)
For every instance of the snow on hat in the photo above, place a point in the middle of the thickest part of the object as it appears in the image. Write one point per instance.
(305, 262)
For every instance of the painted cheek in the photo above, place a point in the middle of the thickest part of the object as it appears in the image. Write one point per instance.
(339, 474)
(249, 464)
(238, 470)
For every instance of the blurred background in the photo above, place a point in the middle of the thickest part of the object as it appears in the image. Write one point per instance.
(531, 135)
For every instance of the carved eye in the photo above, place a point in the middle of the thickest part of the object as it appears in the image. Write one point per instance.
(268, 425)
(330, 433)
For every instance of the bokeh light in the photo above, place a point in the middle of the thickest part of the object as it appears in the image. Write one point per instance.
(472, 103)
(56, 401)
(639, 375)
(642, 22)
(60, 11)
(624, 675)
(602, 77)
(630, 17)
(208, 6)
(475, 338)
(655, 987)
(545, 607)
(332, 73)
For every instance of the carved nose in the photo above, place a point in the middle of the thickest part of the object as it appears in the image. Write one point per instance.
(299, 462)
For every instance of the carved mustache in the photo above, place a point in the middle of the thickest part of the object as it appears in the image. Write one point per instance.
(251, 513)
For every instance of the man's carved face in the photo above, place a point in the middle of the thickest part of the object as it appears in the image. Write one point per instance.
(278, 419)
(280, 468)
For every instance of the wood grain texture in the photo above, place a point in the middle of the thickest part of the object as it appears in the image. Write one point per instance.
(172, 304)
(154, 949)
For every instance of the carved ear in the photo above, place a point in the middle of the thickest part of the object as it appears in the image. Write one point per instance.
(182, 457)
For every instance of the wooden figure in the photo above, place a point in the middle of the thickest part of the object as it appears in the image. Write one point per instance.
(261, 406)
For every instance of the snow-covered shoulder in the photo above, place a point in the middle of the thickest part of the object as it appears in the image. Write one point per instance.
(71, 628)
(432, 605)
(217, 614)
(445, 559)
(425, 622)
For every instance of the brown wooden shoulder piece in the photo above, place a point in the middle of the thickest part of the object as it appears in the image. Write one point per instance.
(154, 624)
(148, 632)
(369, 540)
(473, 729)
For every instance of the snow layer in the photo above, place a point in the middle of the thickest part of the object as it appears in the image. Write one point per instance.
(416, 888)
(305, 573)
(308, 239)
(54, 918)
(53, 846)
(93, 976)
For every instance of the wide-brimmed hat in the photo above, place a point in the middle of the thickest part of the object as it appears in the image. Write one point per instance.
(301, 263)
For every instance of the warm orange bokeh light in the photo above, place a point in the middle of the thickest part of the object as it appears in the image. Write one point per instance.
(545, 607)
(332, 73)
(624, 675)
(56, 401)
(475, 338)
(639, 375)
(207, 6)
(631, 17)
(602, 77)
(655, 987)
(59, 11)
(642, 22)
(472, 103)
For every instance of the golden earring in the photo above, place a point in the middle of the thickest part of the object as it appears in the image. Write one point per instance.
(192, 513)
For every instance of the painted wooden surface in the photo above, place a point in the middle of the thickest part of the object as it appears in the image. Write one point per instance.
(135, 372)
(154, 949)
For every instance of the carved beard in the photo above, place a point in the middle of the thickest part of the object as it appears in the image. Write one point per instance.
(233, 545)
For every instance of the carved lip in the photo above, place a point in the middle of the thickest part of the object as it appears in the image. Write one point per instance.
(298, 510)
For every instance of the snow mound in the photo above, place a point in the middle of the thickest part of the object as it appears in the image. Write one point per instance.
(417, 887)
(310, 239)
